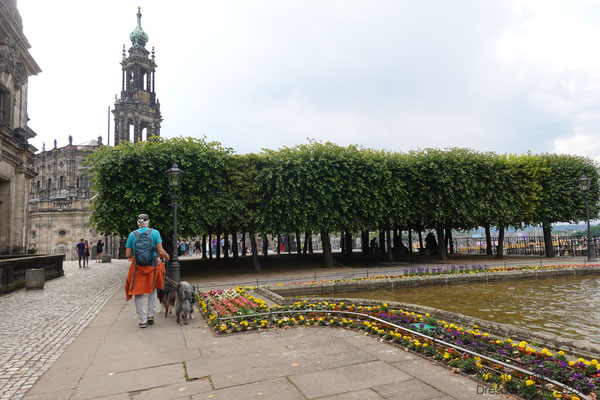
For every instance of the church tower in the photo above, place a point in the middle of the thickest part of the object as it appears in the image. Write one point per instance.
(137, 112)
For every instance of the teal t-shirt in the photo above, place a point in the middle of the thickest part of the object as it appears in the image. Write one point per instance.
(154, 236)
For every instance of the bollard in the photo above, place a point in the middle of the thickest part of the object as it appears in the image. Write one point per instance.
(106, 258)
(35, 278)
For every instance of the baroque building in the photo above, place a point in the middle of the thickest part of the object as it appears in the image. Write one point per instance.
(137, 111)
(16, 66)
(59, 199)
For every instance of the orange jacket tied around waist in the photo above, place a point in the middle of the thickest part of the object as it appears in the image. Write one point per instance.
(147, 278)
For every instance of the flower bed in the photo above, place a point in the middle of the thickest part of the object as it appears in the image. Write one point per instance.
(581, 375)
(449, 270)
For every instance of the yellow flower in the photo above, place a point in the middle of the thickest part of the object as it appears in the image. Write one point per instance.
(479, 365)
(425, 345)
(557, 394)
(571, 363)
(506, 377)
(427, 315)
(486, 376)
(529, 382)
(595, 362)
(446, 355)
(498, 341)
(562, 353)
(575, 398)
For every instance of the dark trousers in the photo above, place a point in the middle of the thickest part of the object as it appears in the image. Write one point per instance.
(81, 257)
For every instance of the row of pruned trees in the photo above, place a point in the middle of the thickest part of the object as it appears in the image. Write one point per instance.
(324, 188)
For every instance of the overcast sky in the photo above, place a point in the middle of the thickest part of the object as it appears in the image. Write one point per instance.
(501, 75)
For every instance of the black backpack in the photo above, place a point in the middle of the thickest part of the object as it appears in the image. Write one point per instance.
(144, 249)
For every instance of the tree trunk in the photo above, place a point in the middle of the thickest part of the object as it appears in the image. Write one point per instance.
(234, 243)
(203, 247)
(168, 243)
(255, 261)
(327, 256)
(500, 247)
(547, 228)
(441, 242)
(342, 242)
(364, 242)
(307, 238)
(218, 243)
(210, 252)
(488, 240)
(225, 246)
(279, 244)
(410, 244)
(349, 243)
(421, 249)
(265, 248)
(289, 244)
(397, 238)
(298, 244)
(310, 249)
(390, 254)
(244, 249)
(381, 241)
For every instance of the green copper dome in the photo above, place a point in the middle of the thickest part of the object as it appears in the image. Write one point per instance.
(138, 37)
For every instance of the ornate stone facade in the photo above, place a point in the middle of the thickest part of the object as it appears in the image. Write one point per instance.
(16, 66)
(137, 112)
(59, 205)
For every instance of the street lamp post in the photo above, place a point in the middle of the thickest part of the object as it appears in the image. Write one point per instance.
(174, 174)
(584, 184)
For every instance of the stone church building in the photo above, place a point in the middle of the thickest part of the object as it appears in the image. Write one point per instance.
(59, 197)
(16, 66)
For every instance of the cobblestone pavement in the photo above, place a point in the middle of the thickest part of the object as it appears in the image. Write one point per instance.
(37, 326)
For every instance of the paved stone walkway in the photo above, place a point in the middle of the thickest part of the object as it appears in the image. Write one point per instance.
(37, 326)
(78, 339)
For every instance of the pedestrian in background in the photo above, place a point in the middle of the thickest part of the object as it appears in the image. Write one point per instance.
(99, 249)
(80, 248)
(87, 254)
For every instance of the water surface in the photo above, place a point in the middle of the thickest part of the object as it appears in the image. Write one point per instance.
(565, 306)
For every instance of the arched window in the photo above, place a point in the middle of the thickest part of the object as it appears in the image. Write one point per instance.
(61, 182)
(49, 185)
(38, 186)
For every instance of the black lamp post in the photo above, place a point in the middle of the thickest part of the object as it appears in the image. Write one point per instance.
(175, 175)
(584, 184)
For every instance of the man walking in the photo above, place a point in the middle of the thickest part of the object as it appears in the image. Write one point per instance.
(80, 247)
(146, 273)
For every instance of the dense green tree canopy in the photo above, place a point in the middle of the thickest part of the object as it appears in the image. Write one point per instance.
(323, 187)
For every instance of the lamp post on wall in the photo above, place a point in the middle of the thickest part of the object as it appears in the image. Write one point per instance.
(584, 184)
(175, 175)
